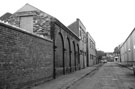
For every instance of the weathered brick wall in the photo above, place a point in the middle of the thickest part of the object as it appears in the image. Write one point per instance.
(41, 21)
(66, 59)
(24, 58)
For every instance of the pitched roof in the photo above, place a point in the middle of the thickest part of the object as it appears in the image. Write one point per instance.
(5, 16)
(27, 7)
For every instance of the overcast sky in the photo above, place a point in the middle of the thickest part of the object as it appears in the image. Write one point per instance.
(108, 21)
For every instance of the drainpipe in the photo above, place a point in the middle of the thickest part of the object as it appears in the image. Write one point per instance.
(79, 60)
(54, 70)
(75, 59)
(64, 50)
(70, 61)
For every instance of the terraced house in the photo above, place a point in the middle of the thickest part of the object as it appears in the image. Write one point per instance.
(37, 47)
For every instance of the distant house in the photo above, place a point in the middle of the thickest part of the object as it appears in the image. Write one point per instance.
(110, 56)
(117, 54)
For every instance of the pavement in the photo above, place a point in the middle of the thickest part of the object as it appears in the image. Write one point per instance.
(124, 65)
(65, 81)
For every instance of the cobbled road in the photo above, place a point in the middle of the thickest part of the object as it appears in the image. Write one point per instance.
(109, 76)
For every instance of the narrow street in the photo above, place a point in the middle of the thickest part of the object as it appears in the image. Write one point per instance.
(109, 76)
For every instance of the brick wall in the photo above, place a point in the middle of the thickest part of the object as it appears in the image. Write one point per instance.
(24, 58)
(66, 49)
(40, 21)
(74, 27)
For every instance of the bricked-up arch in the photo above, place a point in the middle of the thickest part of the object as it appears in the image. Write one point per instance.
(66, 37)
(78, 57)
(67, 55)
(74, 55)
(59, 55)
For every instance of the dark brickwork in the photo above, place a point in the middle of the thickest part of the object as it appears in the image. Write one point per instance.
(66, 50)
(24, 58)
(39, 48)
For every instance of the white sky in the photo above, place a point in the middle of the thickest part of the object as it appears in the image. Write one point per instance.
(108, 21)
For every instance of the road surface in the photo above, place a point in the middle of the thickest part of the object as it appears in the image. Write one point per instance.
(109, 76)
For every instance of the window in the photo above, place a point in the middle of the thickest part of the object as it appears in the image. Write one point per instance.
(26, 22)
(90, 44)
(80, 33)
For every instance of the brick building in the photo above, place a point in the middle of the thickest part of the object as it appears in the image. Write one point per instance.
(37, 47)
(63, 45)
(78, 28)
(91, 50)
